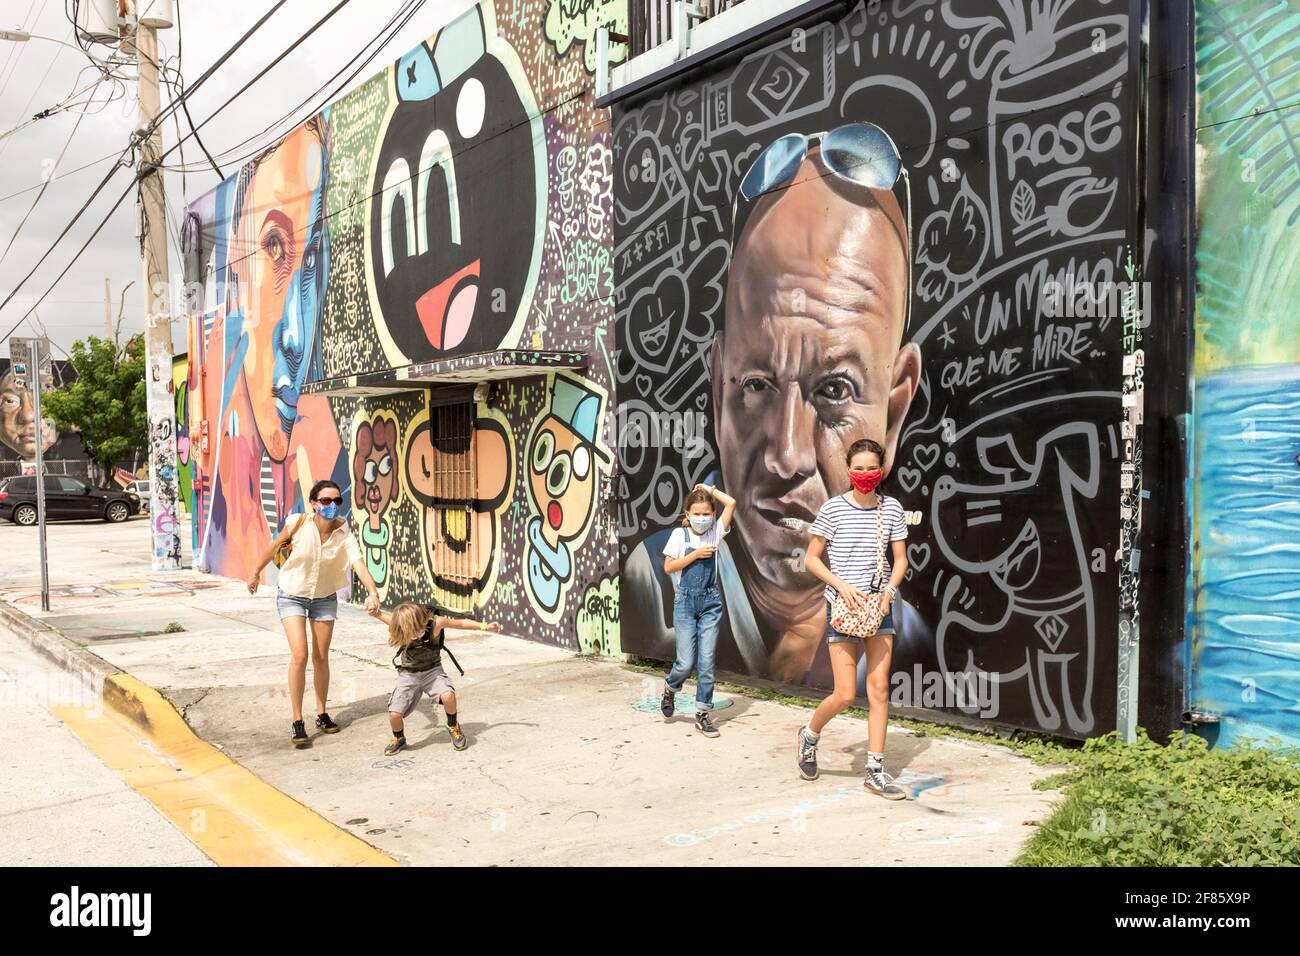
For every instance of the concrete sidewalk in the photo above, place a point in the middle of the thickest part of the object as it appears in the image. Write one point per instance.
(569, 761)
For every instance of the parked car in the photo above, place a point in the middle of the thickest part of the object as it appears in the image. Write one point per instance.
(64, 498)
(140, 488)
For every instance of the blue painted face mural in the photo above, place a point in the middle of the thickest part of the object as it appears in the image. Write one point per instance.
(282, 266)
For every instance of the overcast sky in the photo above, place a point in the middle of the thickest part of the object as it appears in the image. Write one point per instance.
(37, 74)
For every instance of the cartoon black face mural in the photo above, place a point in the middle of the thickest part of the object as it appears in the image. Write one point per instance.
(455, 204)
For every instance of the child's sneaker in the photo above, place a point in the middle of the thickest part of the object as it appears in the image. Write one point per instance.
(882, 784)
(458, 738)
(807, 756)
(704, 724)
(396, 745)
(327, 725)
(300, 738)
(667, 703)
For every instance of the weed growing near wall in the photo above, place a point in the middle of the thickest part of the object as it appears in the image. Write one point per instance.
(1144, 804)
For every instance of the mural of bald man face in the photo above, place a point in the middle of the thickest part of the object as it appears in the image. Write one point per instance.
(810, 359)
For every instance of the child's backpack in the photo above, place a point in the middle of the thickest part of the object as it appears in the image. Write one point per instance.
(426, 640)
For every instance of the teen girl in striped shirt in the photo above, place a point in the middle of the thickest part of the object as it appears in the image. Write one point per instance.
(845, 533)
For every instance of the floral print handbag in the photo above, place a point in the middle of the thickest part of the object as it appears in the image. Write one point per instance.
(864, 623)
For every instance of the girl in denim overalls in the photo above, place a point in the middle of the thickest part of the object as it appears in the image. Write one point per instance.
(690, 557)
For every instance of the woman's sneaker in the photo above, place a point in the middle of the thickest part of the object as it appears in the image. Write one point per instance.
(300, 738)
(882, 784)
(396, 745)
(807, 756)
(328, 726)
(667, 703)
(458, 738)
(704, 724)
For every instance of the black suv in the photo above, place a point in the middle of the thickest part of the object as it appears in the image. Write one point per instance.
(64, 498)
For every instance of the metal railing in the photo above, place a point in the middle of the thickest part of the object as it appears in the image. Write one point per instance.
(652, 22)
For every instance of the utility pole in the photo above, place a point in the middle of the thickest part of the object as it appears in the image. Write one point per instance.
(37, 370)
(163, 478)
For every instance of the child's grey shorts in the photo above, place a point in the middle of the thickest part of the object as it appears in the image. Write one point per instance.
(411, 684)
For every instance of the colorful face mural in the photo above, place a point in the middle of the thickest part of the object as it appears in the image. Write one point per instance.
(18, 426)
(563, 459)
(375, 486)
(458, 202)
(457, 197)
(963, 314)
(282, 264)
(259, 244)
(1245, 452)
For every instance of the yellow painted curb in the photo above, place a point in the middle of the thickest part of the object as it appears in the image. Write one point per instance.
(229, 813)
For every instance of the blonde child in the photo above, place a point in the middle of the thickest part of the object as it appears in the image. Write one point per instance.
(417, 632)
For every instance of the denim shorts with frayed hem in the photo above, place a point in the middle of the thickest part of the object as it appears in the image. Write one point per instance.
(835, 637)
(314, 609)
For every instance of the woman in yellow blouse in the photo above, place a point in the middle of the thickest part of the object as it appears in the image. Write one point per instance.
(316, 570)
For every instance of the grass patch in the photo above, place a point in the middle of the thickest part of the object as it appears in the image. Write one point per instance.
(1139, 804)
(173, 627)
(1144, 804)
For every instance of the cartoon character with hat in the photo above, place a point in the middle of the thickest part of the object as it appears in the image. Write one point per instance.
(562, 463)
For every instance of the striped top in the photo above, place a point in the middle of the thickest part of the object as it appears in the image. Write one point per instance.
(850, 534)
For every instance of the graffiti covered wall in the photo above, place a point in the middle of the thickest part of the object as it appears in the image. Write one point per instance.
(455, 204)
(973, 313)
(1245, 514)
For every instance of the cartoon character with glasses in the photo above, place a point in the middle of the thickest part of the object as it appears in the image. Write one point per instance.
(562, 458)
(809, 360)
(374, 488)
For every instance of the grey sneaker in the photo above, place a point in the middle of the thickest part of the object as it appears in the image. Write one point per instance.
(704, 724)
(666, 703)
(458, 738)
(396, 745)
(882, 784)
(807, 756)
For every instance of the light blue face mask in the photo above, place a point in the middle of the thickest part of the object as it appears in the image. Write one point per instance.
(700, 523)
(329, 512)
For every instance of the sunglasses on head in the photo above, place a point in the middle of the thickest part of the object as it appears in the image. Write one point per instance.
(861, 153)
(326, 502)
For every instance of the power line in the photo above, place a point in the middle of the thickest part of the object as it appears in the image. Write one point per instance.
(22, 48)
(139, 175)
(406, 14)
(45, 185)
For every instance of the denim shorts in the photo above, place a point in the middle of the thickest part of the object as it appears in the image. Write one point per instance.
(836, 637)
(314, 609)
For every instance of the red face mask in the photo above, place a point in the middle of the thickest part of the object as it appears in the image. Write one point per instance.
(866, 481)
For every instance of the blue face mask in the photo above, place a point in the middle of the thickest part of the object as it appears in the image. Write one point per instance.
(329, 512)
(700, 523)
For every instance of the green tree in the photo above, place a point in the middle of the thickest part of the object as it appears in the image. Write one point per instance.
(107, 401)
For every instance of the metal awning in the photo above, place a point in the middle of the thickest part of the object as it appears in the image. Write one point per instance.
(471, 368)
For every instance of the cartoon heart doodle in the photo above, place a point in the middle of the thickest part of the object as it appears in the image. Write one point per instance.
(925, 456)
(702, 400)
(918, 556)
(909, 478)
(665, 492)
(643, 384)
(656, 320)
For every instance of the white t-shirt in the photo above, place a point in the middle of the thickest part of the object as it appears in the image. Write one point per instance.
(684, 539)
(851, 545)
